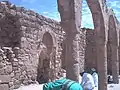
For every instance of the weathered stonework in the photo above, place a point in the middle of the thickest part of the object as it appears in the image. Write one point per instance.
(90, 50)
(24, 36)
(70, 13)
(33, 47)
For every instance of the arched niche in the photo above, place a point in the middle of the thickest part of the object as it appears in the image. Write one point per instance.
(46, 62)
(48, 42)
(43, 68)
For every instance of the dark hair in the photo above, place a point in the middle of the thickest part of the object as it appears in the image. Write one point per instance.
(82, 73)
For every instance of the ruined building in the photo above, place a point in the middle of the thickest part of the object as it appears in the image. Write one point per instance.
(33, 47)
(105, 43)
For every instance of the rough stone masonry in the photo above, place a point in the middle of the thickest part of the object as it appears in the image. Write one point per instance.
(32, 47)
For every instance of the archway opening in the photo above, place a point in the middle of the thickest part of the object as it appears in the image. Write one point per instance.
(43, 71)
(48, 42)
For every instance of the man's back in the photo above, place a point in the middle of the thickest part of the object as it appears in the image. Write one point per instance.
(62, 84)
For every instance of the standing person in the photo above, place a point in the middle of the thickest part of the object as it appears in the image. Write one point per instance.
(87, 81)
(95, 76)
(62, 84)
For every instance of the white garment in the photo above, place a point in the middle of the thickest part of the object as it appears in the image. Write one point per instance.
(87, 81)
(80, 78)
(95, 77)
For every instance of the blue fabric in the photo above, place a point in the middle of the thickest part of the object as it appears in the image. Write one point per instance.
(75, 86)
(59, 84)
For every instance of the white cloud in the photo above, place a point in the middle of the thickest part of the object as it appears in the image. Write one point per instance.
(45, 12)
(28, 1)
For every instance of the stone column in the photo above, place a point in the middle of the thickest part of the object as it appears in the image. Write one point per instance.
(102, 66)
(113, 38)
(70, 12)
(115, 64)
(97, 10)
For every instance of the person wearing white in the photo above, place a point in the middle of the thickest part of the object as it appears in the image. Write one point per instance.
(80, 79)
(87, 82)
(95, 78)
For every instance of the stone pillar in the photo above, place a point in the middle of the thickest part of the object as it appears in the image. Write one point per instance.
(101, 40)
(102, 66)
(115, 64)
(70, 12)
(113, 38)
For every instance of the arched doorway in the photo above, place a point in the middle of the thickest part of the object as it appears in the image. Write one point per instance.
(46, 63)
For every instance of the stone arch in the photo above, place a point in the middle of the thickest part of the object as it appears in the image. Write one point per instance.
(113, 47)
(43, 67)
(48, 41)
(46, 63)
(50, 34)
(97, 10)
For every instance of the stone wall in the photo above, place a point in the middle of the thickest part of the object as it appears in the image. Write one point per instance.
(31, 47)
(90, 51)
(11, 67)
(31, 33)
(82, 47)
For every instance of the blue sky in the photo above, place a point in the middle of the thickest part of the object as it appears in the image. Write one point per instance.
(48, 8)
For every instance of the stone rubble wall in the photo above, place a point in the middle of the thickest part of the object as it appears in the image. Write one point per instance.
(12, 67)
(25, 29)
(90, 50)
(82, 47)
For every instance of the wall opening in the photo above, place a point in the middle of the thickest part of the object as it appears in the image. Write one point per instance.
(45, 59)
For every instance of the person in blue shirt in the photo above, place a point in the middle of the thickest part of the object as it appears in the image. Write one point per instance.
(62, 84)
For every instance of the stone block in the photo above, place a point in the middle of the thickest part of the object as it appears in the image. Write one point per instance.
(4, 79)
(15, 64)
(8, 69)
(1, 58)
(2, 71)
(1, 65)
(4, 87)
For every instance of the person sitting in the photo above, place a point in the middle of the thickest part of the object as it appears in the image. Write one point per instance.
(62, 84)
(87, 81)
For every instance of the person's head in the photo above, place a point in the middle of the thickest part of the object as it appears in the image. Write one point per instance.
(82, 73)
(92, 70)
